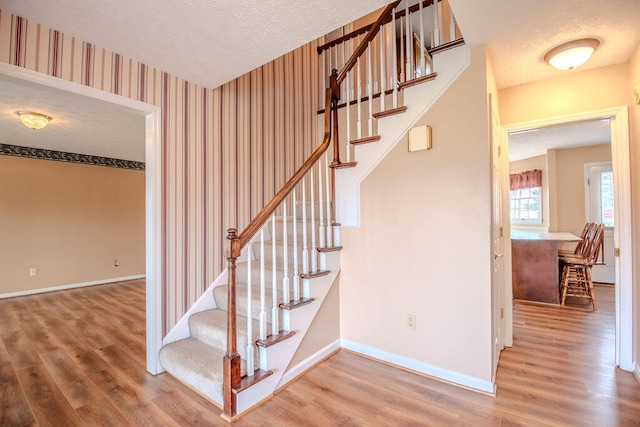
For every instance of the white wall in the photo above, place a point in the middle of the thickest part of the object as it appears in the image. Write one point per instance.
(424, 245)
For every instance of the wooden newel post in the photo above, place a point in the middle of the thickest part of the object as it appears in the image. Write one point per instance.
(231, 358)
(335, 97)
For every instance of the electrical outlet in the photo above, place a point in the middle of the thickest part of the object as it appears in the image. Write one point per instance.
(411, 321)
(33, 271)
(116, 263)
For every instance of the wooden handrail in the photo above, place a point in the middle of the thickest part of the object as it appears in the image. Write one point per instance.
(386, 14)
(362, 30)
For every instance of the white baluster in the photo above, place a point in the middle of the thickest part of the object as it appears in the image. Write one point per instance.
(409, 43)
(286, 298)
(347, 83)
(452, 26)
(275, 324)
(402, 63)
(369, 91)
(423, 66)
(314, 259)
(328, 188)
(322, 229)
(296, 273)
(250, 350)
(305, 250)
(323, 78)
(394, 77)
(343, 90)
(383, 69)
(435, 40)
(263, 312)
(359, 122)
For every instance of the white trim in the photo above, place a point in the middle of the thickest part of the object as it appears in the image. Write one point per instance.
(421, 367)
(153, 190)
(308, 363)
(622, 221)
(71, 286)
(636, 371)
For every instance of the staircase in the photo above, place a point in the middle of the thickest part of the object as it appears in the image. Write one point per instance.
(196, 358)
(235, 344)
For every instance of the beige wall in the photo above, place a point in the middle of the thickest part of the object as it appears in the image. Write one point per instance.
(424, 244)
(586, 91)
(570, 184)
(70, 222)
(325, 328)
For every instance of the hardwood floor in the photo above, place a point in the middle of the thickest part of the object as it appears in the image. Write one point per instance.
(77, 358)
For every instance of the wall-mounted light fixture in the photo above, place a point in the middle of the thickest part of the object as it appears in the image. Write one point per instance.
(572, 54)
(33, 120)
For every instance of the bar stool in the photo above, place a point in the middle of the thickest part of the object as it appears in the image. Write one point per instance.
(576, 273)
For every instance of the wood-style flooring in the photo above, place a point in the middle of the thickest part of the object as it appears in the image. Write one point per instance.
(77, 358)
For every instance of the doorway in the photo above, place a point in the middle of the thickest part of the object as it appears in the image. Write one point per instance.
(152, 194)
(622, 219)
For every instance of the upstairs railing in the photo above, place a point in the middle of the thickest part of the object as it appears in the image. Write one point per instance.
(307, 197)
(398, 54)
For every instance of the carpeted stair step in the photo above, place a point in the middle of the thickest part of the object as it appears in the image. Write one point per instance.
(210, 327)
(198, 365)
(220, 297)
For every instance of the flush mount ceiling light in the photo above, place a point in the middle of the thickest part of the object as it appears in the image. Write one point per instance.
(33, 120)
(572, 54)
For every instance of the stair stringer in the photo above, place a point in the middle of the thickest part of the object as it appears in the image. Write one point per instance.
(418, 99)
(278, 357)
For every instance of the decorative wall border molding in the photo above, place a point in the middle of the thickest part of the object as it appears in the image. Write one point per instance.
(61, 156)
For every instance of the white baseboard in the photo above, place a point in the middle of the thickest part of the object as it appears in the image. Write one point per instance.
(421, 367)
(72, 286)
(636, 371)
(308, 363)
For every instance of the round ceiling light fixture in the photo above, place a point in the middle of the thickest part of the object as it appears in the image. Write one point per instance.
(572, 54)
(33, 120)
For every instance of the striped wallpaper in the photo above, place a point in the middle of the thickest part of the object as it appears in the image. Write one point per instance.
(225, 151)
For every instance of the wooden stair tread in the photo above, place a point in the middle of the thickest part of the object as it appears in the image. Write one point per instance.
(296, 303)
(315, 274)
(446, 46)
(365, 140)
(417, 81)
(390, 112)
(249, 380)
(342, 165)
(330, 249)
(274, 339)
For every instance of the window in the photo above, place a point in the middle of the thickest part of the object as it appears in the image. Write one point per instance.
(526, 197)
(526, 205)
(606, 198)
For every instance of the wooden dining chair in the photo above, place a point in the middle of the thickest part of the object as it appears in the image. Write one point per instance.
(576, 272)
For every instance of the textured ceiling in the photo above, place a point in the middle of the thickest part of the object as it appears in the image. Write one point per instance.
(519, 33)
(205, 42)
(212, 42)
(80, 125)
(536, 142)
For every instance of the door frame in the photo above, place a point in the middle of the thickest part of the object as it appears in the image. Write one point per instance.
(153, 192)
(622, 219)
